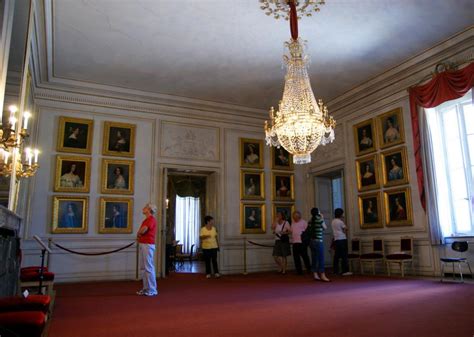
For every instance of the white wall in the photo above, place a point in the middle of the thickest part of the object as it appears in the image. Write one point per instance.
(166, 137)
(370, 99)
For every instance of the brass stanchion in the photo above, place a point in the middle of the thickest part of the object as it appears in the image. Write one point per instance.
(137, 269)
(245, 256)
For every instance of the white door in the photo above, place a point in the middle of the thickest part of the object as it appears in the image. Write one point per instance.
(323, 200)
(161, 259)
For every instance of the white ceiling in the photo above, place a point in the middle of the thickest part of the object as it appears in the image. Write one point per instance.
(230, 51)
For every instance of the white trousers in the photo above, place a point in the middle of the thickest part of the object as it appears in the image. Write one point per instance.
(147, 252)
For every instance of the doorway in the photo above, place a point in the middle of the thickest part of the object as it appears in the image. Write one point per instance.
(189, 196)
(329, 195)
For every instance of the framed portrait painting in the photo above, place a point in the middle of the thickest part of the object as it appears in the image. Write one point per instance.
(119, 139)
(283, 186)
(281, 159)
(75, 135)
(395, 167)
(286, 209)
(70, 214)
(370, 211)
(364, 137)
(398, 210)
(390, 125)
(252, 218)
(116, 215)
(252, 185)
(72, 174)
(367, 173)
(117, 176)
(251, 153)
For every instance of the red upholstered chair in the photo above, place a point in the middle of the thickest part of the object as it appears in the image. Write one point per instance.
(405, 255)
(22, 323)
(377, 255)
(354, 255)
(31, 279)
(32, 268)
(31, 303)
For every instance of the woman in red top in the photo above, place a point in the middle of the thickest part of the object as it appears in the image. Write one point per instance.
(146, 241)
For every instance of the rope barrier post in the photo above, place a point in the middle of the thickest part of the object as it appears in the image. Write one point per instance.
(137, 261)
(48, 258)
(245, 255)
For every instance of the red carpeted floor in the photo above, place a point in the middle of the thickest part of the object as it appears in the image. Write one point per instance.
(266, 305)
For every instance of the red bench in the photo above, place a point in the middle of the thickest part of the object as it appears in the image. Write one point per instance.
(31, 303)
(23, 323)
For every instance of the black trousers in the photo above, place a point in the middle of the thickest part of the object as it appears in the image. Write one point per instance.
(210, 255)
(301, 251)
(341, 253)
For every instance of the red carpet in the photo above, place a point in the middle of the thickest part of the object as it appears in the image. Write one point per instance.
(266, 305)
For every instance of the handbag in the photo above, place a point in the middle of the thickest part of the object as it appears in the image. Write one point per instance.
(284, 238)
(305, 237)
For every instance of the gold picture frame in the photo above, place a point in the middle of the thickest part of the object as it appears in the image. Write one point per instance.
(283, 186)
(252, 218)
(288, 209)
(72, 174)
(115, 215)
(117, 176)
(252, 185)
(367, 171)
(365, 137)
(119, 139)
(398, 211)
(251, 153)
(281, 159)
(75, 135)
(370, 210)
(391, 129)
(70, 214)
(394, 167)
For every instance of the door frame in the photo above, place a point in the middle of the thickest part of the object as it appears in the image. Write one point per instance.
(211, 202)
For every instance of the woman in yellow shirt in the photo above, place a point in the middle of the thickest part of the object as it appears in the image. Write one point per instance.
(209, 245)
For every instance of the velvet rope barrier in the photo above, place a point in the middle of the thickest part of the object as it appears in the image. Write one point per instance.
(92, 254)
(259, 244)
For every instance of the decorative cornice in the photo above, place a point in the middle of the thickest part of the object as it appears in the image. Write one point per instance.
(43, 95)
(456, 49)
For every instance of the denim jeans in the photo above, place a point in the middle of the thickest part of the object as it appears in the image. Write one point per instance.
(147, 252)
(317, 256)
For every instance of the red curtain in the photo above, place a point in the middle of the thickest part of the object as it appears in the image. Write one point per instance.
(444, 86)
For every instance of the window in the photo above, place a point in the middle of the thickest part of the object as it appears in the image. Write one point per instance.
(451, 127)
(188, 222)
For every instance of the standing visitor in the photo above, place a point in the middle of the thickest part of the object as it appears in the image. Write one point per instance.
(300, 249)
(146, 241)
(316, 228)
(209, 245)
(339, 230)
(281, 229)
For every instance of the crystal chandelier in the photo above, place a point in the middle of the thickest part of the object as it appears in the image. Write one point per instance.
(12, 140)
(280, 8)
(301, 123)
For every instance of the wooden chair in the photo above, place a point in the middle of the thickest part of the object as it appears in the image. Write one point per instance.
(354, 255)
(377, 255)
(458, 246)
(405, 255)
(182, 256)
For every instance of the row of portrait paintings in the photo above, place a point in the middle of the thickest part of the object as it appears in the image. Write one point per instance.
(70, 215)
(75, 135)
(252, 216)
(251, 155)
(394, 169)
(73, 175)
(397, 209)
(252, 185)
(386, 130)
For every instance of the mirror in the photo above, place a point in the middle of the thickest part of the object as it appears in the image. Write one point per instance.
(16, 17)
